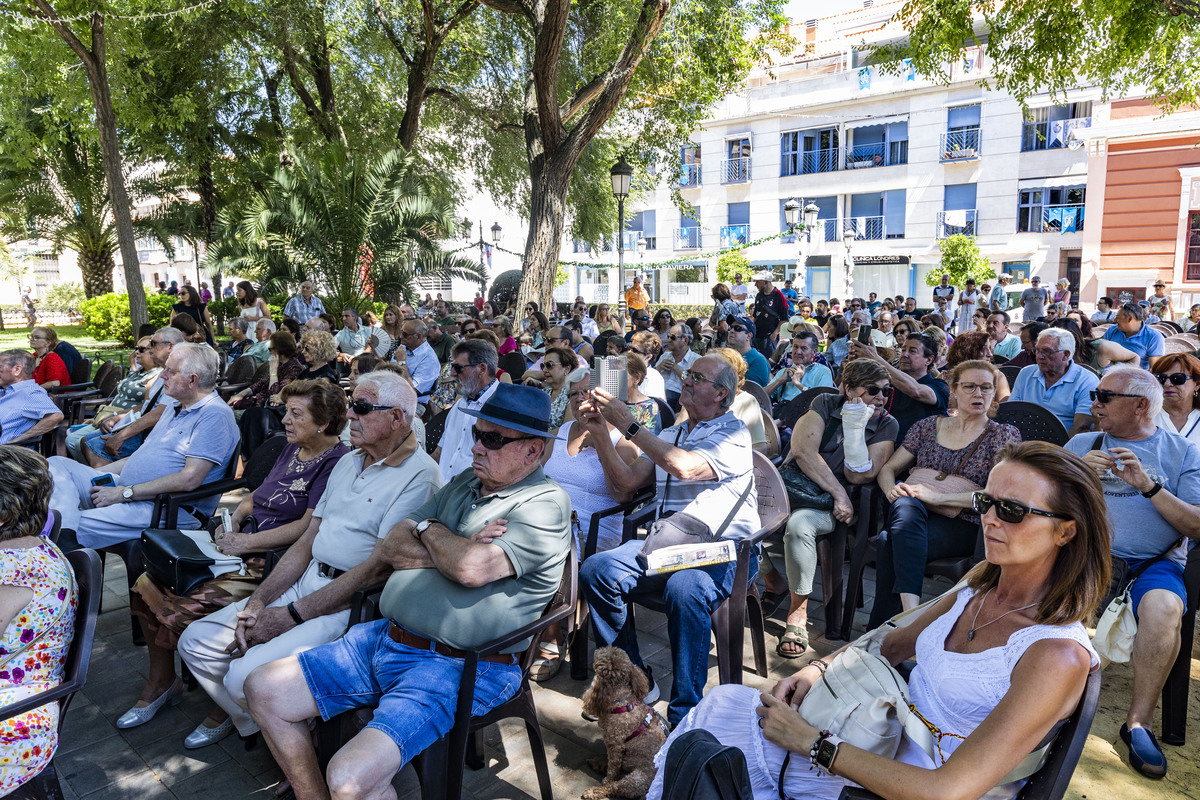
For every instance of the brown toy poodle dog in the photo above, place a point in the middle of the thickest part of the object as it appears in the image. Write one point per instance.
(633, 732)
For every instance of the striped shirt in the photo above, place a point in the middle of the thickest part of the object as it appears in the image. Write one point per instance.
(23, 405)
(301, 311)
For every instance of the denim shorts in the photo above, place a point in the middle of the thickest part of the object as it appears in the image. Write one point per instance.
(95, 443)
(415, 692)
(1164, 574)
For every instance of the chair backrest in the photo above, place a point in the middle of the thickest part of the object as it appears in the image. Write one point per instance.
(1051, 781)
(102, 372)
(563, 602)
(241, 370)
(798, 406)
(772, 431)
(665, 412)
(758, 393)
(1174, 346)
(773, 507)
(55, 526)
(1033, 421)
(82, 371)
(1010, 374)
(514, 364)
(260, 464)
(89, 579)
(1163, 328)
(107, 384)
(434, 429)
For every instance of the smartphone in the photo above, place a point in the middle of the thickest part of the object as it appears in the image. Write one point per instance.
(103, 480)
(864, 334)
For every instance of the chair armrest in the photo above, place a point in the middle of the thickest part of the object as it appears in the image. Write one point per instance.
(231, 388)
(364, 605)
(857, 793)
(639, 517)
(525, 631)
(71, 387)
(589, 548)
(166, 506)
(38, 700)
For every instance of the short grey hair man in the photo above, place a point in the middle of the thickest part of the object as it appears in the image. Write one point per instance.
(267, 325)
(727, 380)
(22, 358)
(392, 390)
(172, 335)
(1062, 339)
(1140, 382)
(199, 360)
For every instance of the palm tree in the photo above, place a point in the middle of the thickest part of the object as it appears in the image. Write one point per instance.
(357, 228)
(60, 196)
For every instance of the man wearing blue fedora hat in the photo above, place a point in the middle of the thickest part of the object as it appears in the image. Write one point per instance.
(482, 557)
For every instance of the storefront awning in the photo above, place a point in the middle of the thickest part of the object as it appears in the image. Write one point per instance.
(870, 121)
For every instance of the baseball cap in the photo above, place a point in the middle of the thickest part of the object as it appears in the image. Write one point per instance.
(744, 321)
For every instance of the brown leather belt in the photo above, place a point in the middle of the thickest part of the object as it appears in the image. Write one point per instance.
(398, 634)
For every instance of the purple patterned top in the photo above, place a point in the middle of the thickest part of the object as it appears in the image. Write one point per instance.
(293, 486)
(921, 441)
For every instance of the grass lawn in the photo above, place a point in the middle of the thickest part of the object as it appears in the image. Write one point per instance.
(19, 338)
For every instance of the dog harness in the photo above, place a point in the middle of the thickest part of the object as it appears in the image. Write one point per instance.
(651, 717)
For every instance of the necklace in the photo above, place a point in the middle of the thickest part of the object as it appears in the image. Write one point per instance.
(974, 627)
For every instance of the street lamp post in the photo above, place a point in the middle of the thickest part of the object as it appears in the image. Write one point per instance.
(620, 174)
(848, 240)
(792, 215)
(482, 251)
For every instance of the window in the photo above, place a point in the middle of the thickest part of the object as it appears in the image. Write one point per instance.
(1192, 270)
(961, 139)
(737, 163)
(1050, 128)
(958, 214)
(737, 231)
(1055, 210)
(827, 211)
(790, 148)
(820, 151)
(688, 235)
(689, 158)
(643, 222)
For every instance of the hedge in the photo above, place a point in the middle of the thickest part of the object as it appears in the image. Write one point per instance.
(106, 316)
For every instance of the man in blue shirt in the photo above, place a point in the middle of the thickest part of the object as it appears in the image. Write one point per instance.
(741, 338)
(804, 373)
(998, 299)
(26, 411)
(304, 306)
(189, 446)
(1132, 333)
(1056, 383)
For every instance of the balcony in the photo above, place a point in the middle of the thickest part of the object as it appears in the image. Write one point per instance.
(1061, 218)
(815, 161)
(865, 227)
(735, 235)
(1050, 135)
(833, 232)
(689, 238)
(735, 170)
(582, 246)
(961, 145)
(629, 240)
(950, 223)
(879, 154)
(689, 176)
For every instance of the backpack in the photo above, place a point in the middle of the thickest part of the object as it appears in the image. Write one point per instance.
(698, 767)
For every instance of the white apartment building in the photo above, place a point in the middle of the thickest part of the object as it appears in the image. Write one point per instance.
(896, 160)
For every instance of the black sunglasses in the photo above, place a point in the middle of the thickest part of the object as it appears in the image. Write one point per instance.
(1106, 396)
(362, 407)
(875, 390)
(458, 369)
(493, 440)
(739, 328)
(1176, 378)
(156, 341)
(1008, 510)
(141, 348)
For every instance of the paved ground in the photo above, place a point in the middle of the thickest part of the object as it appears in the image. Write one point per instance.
(99, 762)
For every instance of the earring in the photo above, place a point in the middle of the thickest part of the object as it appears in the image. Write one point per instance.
(320, 430)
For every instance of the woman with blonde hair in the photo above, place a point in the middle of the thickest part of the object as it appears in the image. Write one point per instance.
(49, 370)
(319, 352)
(644, 409)
(605, 321)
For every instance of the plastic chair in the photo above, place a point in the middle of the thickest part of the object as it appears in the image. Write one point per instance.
(665, 413)
(758, 393)
(1175, 690)
(239, 374)
(771, 428)
(514, 364)
(1051, 781)
(440, 766)
(434, 429)
(1010, 374)
(1033, 421)
(791, 411)
(88, 578)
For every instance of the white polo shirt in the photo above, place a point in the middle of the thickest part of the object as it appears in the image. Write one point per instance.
(457, 440)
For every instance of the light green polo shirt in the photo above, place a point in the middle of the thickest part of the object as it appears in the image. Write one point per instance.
(429, 604)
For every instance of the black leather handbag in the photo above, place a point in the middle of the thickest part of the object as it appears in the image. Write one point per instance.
(182, 560)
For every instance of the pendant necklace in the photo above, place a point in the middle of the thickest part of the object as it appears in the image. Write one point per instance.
(973, 628)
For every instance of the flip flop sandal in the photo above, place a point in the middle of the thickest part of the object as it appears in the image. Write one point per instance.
(547, 664)
(793, 635)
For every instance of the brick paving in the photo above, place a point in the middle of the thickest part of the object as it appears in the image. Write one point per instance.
(100, 762)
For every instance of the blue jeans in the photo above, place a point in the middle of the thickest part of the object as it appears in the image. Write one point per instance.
(95, 442)
(414, 692)
(916, 536)
(611, 577)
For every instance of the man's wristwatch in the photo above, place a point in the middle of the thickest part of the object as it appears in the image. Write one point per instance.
(1155, 489)
(632, 430)
(423, 526)
(127, 493)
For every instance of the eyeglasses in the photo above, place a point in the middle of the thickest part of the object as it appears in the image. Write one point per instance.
(672, 337)
(1176, 378)
(1008, 510)
(458, 369)
(696, 377)
(551, 364)
(493, 440)
(1106, 396)
(875, 390)
(155, 341)
(362, 407)
(1043, 353)
(973, 388)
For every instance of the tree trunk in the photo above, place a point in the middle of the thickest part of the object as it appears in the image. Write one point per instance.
(418, 82)
(547, 214)
(97, 269)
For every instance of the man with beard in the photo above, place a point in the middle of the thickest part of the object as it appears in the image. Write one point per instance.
(474, 365)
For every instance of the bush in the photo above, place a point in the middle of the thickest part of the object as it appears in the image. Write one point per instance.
(65, 296)
(505, 288)
(106, 316)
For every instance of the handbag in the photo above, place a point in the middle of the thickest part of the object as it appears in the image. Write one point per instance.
(1117, 626)
(698, 767)
(681, 528)
(949, 482)
(182, 560)
(803, 491)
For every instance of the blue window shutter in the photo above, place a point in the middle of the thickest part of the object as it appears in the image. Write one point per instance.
(893, 212)
(963, 117)
(739, 214)
(959, 197)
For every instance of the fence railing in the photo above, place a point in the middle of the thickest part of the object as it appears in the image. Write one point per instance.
(735, 170)
(815, 161)
(689, 175)
(689, 238)
(865, 227)
(950, 223)
(733, 235)
(1050, 134)
(961, 145)
(1062, 218)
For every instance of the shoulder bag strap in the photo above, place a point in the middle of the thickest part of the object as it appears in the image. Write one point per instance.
(736, 506)
(970, 450)
(662, 505)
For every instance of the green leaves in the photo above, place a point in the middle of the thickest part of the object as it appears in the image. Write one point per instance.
(962, 259)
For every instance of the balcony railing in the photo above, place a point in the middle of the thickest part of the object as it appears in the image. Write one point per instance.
(735, 170)
(815, 161)
(961, 145)
(833, 232)
(1062, 219)
(1050, 134)
(689, 175)
(878, 154)
(950, 223)
(689, 238)
(582, 246)
(629, 240)
(734, 235)
(865, 227)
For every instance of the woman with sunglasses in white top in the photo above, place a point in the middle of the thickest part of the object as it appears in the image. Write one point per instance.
(1179, 375)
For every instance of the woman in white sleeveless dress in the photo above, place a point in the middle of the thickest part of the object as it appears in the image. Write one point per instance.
(999, 662)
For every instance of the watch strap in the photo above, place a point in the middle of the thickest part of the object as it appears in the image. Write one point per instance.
(1154, 490)
(632, 430)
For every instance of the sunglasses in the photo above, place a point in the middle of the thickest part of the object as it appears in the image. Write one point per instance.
(1008, 510)
(739, 328)
(551, 364)
(696, 377)
(459, 369)
(362, 407)
(141, 349)
(1176, 378)
(672, 337)
(1106, 396)
(874, 391)
(493, 440)
(155, 341)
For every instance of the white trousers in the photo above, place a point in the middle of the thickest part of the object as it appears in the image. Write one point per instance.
(223, 676)
(97, 527)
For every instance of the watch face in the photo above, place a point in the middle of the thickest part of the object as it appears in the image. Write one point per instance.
(825, 753)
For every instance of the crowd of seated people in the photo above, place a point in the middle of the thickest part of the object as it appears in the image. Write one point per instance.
(484, 513)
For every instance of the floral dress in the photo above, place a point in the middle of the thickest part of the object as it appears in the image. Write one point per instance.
(28, 742)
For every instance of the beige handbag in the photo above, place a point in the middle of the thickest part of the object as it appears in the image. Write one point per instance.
(1115, 631)
(949, 482)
